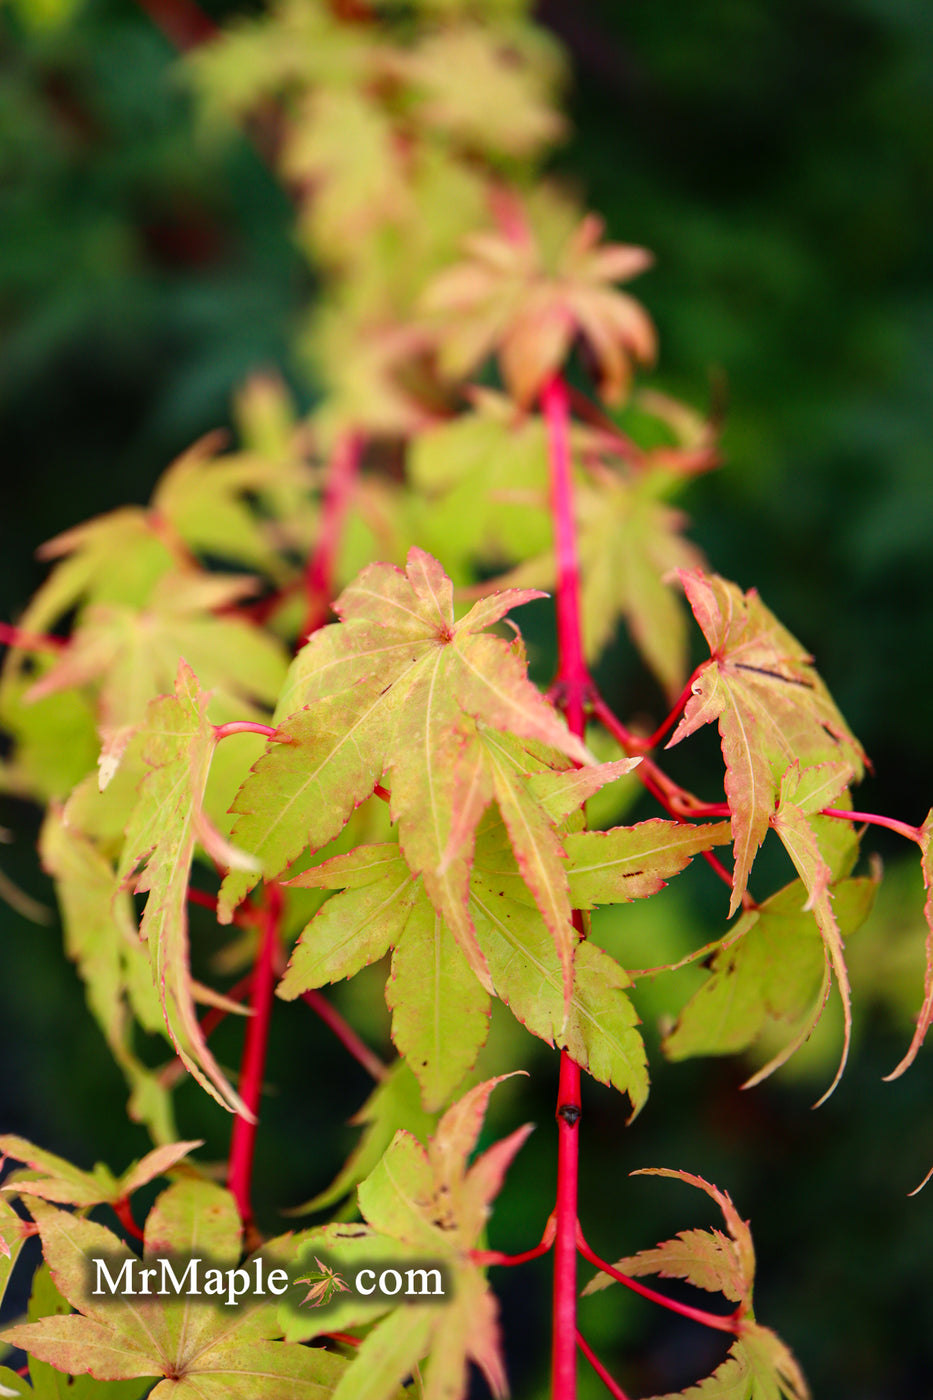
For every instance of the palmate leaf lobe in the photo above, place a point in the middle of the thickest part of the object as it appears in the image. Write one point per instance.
(771, 706)
(166, 822)
(400, 690)
(759, 1366)
(926, 1011)
(194, 1349)
(516, 298)
(382, 905)
(770, 968)
(422, 1202)
(58, 1180)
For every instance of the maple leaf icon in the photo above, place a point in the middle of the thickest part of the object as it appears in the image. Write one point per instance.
(324, 1285)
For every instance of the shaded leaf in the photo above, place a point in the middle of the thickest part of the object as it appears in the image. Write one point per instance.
(195, 1349)
(179, 744)
(770, 704)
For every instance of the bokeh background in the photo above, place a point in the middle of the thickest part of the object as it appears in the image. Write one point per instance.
(779, 161)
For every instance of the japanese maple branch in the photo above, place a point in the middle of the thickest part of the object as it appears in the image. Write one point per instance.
(346, 1034)
(319, 575)
(612, 1386)
(728, 1322)
(912, 833)
(243, 1138)
(572, 689)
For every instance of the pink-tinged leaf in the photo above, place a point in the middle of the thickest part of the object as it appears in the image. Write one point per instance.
(770, 704)
(759, 1367)
(494, 607)
(68, 1185)
(11, 1242)
(440, 1013)
(414, 716)
(429, 1199)
(538, 852)
(634, 862)
(492, 686)
(179, 745)
(196, 1350)
(926, 1010)
(599, 1028)
(560, 794)
(794, 826)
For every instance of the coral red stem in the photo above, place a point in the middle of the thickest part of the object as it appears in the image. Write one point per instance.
(124, 1214)
(319, 575)
(243, 726)
(730, 1322)
(573, 690)
(29, 641)
(612, 1386)
(573, 684)
(346, 1034)
(243, 1140)
(912, 833)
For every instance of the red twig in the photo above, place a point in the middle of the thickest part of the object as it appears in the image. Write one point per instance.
(344, 1338)
(729, 1322)
(30, 641)
(202, 898)
(668, 723)
(573, 685)
(573, 690)
(612, 1386)
(483, 1258)
(243, 1138)
(124, 1214)
(346, 1034)
(912, 833)
(319, 576)
(563, 1349)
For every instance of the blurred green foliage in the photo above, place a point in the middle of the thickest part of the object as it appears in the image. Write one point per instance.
(779, 161)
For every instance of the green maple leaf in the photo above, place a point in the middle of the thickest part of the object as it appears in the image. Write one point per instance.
(759, 1366)
(771, 706)
(205, 498)
(526, 302)
(166, 822)
(49, 1384)
(772, 967)
(196, 1351)
(11, 1242)
(439, 1008)
(113, 560)
(450, 67)
(132, 654)
(483, 480)
(398, 689)
(58, 1180)
(423, 1202)
(102, 938)
(926, 1011)
(343, 145)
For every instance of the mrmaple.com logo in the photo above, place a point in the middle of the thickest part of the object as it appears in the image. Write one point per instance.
(200, 1278)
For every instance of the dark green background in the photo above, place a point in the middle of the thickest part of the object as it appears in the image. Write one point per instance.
(779, 161)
